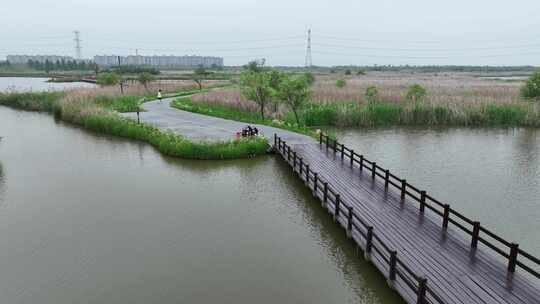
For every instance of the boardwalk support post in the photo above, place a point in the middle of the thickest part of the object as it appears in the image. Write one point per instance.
(301, 165)
(276, 141)
(422, 201)
(403, 188)
(307, 174)
(446, 216)
(512, 259)
(342, 151)
(336, 211)
(326, 142)
(315, 182)
(349, 222)
(369, 243)
(325, 194)
(352, 158)
(393, 264)
(361, 163)
(475, 234)
(386, 179)
(335, 146)
(422, 288)
(294, 161)
(373, 170)
(289, 153)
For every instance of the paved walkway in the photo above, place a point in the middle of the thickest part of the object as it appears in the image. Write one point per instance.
(204, 128)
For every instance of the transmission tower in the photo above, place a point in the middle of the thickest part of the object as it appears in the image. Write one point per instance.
(78, 48)
(309, 62)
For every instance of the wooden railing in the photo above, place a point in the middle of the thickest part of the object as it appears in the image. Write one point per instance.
(358, 227)
(515, 256)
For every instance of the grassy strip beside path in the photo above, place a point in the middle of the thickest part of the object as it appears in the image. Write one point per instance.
(96, 114)
(186, 104)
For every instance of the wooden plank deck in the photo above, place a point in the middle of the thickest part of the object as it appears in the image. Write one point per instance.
(455, 273)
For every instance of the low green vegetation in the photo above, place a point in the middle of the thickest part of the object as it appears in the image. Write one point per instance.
(108, 79)
(96, 114)
(341, 83)
(186, 104)
(531, 89)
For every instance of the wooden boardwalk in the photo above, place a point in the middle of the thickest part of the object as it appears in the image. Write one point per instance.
(429, 252)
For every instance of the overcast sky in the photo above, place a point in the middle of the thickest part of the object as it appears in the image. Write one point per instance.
(360, 32)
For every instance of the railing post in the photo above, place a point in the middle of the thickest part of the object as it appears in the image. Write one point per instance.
(350, 221)
(475, 234)
(446, 216)
(301, 167)
(361, 163)
(325, 194)
(335, 146)
(422, 288)
(386, 178)
(422, 201)
(369, 242)
(320, 138)
(283, 144)
(512, 260)
(307, 174)
(289, 153)
(336, 211)
(342, 151)
(294, 161)
(315, 182)
(327, 142)
(373, 170)
(352, 158)
(393, 264)
(276, 141)
(403, 188)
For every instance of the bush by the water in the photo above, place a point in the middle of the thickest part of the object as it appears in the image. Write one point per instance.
(531, 89)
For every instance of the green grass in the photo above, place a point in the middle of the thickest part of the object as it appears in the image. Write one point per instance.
(420, 114)
(97, 115)
(186, 104)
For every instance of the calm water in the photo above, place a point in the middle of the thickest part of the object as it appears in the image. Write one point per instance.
(93, 219)
(492, 175)
(23, 84)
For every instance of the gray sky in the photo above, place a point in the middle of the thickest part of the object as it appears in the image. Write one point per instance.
(469, 32)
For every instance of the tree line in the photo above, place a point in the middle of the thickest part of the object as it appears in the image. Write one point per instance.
(61, 65)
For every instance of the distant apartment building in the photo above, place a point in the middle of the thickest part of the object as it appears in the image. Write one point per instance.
(24, 59)
(160, 61)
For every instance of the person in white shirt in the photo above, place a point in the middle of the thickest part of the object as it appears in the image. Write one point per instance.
(159, 95)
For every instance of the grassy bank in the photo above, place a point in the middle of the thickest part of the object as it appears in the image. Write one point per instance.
(421, 114)
(187, 104)
(95, 112)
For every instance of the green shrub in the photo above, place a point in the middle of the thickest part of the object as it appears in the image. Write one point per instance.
(416, 93)
(372, 94)
(108, 79)
(341, 83)
(531, 89)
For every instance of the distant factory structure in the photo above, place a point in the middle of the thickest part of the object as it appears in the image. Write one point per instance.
(160, 61)
(24, 59)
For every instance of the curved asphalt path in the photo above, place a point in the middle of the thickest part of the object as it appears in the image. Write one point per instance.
(200, 127)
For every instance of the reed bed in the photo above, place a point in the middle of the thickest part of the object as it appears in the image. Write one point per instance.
(453, 99)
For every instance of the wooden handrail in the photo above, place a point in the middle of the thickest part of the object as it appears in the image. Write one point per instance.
(425, 200)
(397, 268)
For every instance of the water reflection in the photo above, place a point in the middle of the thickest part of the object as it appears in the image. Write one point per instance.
(2, 184)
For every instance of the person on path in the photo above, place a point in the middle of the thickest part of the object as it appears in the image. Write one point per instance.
(159, 97)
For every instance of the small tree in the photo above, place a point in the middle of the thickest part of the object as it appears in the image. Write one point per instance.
(275, 80)
(108, 79)
(531, 89)
(145, 78)
(416, 93)
(256, 87)
(348, 72)
(295, 92)
(361, 73)
(199, 75)
(340, 83)
(372, 94)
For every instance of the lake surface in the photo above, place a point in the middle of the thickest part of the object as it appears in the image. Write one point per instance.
(25, 84)
(86, 218)
(492, 175)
